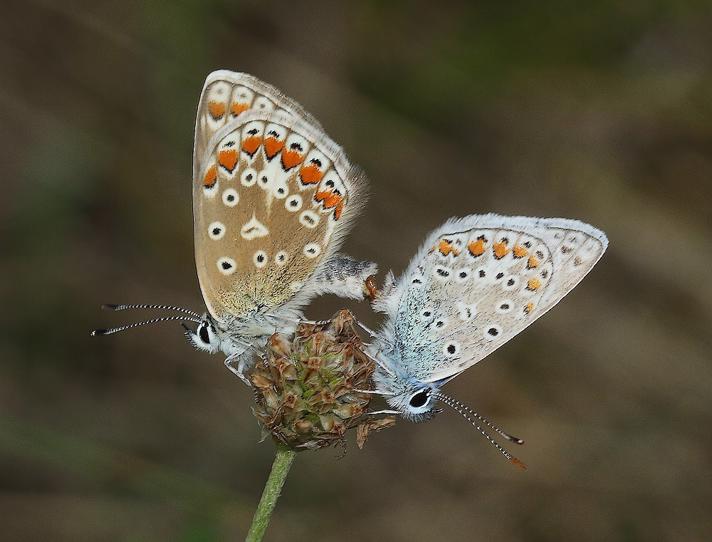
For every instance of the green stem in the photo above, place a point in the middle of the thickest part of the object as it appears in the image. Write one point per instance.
(273, 487)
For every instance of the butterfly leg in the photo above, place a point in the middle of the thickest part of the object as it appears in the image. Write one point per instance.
(345, 277)
(379, 412)
(238, 364)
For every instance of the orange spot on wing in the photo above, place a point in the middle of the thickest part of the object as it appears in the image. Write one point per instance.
(519, 251)
(328, 199)
(476, 248)
(310, 174)
(211, 176)
(533, 262)
(251, 144)
(216, 110)
(272, 147)
(529, 307)
(446, 247)
(237, 108)
(291, 159)
(500, 250)
(228, 159)
(533, 284)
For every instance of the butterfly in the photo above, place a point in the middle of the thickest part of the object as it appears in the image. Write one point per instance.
(475, 283)
(273, 199)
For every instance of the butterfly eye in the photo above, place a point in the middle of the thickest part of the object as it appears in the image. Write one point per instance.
(420, 398)
(203, 333)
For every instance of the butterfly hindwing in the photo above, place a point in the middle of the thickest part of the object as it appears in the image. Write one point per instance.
(480, 280)
(227, 95)
(272, 199)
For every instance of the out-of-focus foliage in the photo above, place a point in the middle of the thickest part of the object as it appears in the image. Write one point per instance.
(600, 111)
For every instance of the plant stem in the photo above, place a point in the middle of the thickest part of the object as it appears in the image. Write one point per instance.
(273, 487)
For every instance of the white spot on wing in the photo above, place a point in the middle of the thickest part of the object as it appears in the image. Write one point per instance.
(312, 250)
(492, 332)
(242, 95)
(293, 203)
(309, 219)
(260, 259)
(263, 104)
(216, 230)
(264, 179)
(230, 197)
(253, 229)
(226, 265)
(442, 273)
(280, 190)
(248, 177)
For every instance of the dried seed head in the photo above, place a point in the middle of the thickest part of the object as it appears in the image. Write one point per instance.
(306, 388)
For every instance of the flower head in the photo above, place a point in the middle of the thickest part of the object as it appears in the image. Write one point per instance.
(311, 389)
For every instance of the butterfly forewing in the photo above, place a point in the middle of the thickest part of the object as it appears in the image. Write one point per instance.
(271, 199)
(481, 280)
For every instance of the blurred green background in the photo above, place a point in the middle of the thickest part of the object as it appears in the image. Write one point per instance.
(600, 111)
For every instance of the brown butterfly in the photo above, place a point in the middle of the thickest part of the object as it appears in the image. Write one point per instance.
(273, 198)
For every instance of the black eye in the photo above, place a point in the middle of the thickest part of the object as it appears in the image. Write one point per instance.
(419, 399)
(203, 332)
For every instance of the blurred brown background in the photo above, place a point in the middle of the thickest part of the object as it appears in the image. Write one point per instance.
(600, 111)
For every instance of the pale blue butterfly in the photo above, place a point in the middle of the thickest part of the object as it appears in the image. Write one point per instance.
(475, 283)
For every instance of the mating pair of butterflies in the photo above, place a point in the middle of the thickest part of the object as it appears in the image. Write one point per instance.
(274, 197)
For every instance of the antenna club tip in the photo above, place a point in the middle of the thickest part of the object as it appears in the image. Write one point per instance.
(518, 441)
(97, 332)
(517, 463)
(109, 306)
